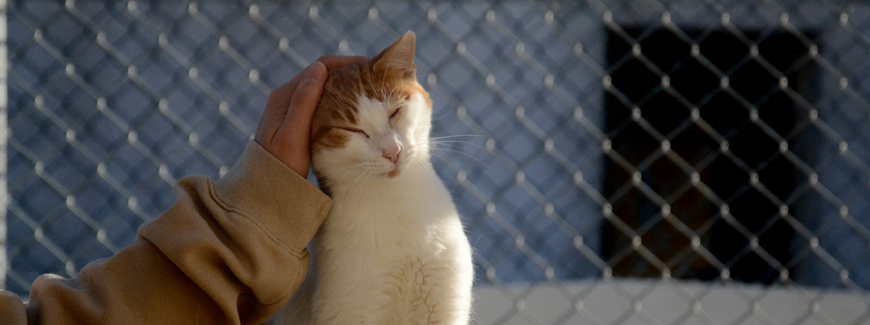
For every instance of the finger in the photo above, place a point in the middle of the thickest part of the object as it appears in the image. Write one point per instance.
(305, 99)
(336, 62)
(276, 108)
(274, 113)
(330, 62)
(297, 125)
(281, 96)
(279, 100)
(285, 91)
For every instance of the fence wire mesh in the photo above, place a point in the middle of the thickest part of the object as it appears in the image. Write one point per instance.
(726, 142)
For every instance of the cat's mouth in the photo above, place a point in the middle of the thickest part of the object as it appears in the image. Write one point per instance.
(400, 164)
(396, 170)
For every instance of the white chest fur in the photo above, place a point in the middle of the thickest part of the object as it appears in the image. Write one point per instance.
(393, 252)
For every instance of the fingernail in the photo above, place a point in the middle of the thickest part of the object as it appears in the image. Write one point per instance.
(315, 72)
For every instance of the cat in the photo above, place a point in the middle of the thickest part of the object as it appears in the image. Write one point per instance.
(392, 249)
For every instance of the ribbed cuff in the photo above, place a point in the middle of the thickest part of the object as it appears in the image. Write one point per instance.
(288, 205)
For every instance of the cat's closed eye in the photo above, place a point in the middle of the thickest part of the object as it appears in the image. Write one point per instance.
(354, 130)
(396, 112)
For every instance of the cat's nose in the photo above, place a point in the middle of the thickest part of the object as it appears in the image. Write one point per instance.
(392, 154)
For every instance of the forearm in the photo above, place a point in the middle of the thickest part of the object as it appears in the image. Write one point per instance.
(227, 252)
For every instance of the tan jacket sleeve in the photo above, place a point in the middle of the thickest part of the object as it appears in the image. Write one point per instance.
(228, 252)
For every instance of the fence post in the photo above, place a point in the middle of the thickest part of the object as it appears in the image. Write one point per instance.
(4, 103)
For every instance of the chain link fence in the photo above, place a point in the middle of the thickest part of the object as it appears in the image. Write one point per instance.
(605, 155)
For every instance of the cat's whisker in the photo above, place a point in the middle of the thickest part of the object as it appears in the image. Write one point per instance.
(393, 90)
(354, 171)
(381, 91)
(355, 175)
(348, 174)
(357, 181)
(469, 156)
(456, 142)
(442, 158)
(447, 112)
(458, 135)
(331, 95)
(452, 143)
(331, 107)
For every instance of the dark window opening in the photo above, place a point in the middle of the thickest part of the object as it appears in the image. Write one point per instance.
(667, 110)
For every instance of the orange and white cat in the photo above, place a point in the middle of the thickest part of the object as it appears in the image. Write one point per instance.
(393, 249)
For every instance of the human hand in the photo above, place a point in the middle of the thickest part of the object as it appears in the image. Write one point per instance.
(285, 125)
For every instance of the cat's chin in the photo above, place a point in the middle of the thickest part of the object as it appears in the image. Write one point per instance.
(397, 169)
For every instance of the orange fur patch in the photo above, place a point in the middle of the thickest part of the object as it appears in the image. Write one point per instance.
(337, 107)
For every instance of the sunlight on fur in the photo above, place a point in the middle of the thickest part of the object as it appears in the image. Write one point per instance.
(393, 249)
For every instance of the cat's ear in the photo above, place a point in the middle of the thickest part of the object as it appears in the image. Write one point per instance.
(398, 57)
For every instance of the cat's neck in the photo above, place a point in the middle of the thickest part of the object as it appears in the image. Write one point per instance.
(417, 196)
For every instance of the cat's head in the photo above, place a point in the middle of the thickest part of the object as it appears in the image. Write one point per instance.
(373, 119)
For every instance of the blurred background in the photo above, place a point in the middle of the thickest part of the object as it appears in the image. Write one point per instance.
(615, 162)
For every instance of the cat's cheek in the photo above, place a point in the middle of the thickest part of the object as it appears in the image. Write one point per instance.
(405, 129)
